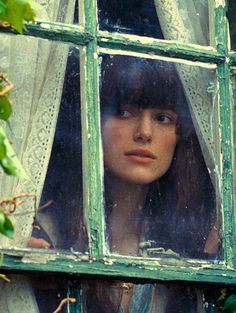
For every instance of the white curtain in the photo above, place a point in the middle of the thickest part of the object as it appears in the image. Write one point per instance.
(188, 21)
(37, 68)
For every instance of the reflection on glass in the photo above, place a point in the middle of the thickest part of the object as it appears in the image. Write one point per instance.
(62, 11)
(61, 213)
(233, 80)
(160, 199)
(126, 297)
(232, 22)
(186, 21)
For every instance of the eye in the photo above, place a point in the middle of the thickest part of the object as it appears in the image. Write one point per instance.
(124, 113)
(164, 118)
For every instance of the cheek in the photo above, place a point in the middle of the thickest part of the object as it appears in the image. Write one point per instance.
(168, 149)
(111, 138)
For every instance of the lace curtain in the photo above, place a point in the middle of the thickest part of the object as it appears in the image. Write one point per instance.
(37, 68)
(188, 21)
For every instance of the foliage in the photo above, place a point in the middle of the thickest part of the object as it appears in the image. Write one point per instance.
(15, 12)
(6, 226)
(8, 159)
(226, 302)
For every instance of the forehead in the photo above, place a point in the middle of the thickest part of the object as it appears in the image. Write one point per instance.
(140, 82)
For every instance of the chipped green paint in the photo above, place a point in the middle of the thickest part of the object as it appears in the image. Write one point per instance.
(221, 29)
(116, 266)
(126, 267)
(226, 123)
(56, 32)
(75, 292)
(159, 47)
(92, 156)
(232, 57)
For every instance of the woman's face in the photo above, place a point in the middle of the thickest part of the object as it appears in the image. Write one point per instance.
(139, 143)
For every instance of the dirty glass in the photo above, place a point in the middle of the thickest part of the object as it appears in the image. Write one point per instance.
(161, 158)
(186, 20)
(46, 136)
(61, 11)
(117, 296)
(233, 99)
(232, 22)
(33, 294)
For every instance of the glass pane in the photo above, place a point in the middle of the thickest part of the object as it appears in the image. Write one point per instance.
(233, 77)
(62, 11)
(127, 297)
(232, 22)
(35, 294)
(46, 136)
(161, 156)
(186, 21)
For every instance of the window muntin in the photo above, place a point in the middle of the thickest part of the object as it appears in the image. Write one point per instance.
(186, 21)
(109, 262)
(147, 109)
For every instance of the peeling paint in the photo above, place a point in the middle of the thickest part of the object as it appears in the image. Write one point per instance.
(219, 3)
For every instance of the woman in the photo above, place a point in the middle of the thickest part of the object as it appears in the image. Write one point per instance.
(158, 193)
(152, 158)
(159, 199)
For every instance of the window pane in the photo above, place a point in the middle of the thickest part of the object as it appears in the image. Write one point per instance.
(46, 136)
(232, 22)
(186, 21)
(161, 156)
(62, 11)
(234, 123)
(35, 294)
(117, 297)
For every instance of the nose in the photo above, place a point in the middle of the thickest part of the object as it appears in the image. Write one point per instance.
(143, 130)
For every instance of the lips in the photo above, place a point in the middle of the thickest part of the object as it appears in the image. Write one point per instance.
(142, 153)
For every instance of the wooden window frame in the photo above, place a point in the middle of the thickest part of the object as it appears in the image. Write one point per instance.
(99, 262)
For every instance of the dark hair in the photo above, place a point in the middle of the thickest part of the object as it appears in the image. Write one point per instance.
(181, 204)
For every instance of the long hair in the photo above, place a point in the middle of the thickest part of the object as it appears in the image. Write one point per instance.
(180, 205)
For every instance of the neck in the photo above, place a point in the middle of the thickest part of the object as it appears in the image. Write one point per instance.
(127, 199)
(124, 220)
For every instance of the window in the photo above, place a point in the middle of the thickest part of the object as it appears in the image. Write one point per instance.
(144, 96)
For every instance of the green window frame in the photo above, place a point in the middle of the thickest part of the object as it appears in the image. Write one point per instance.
(99, 262)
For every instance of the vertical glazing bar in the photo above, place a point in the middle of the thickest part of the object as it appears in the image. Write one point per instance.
(75, 293)
(226, 123)
(92, 152)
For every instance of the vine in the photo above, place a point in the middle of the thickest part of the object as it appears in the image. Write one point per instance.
(13, 14)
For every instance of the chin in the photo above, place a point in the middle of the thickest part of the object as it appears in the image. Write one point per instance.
(140, 180)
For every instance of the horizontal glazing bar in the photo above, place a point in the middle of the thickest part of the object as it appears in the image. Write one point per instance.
(56, 32)
(119, 267)
(232, 56)
(159, 47)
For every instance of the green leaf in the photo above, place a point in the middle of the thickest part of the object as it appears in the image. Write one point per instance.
(18, 11)
(6, 226)
(230, 303)
(5, 108)
(2, 8)
(10, 163)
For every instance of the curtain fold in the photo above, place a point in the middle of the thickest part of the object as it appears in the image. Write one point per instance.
(37, 68)
(188, 22)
